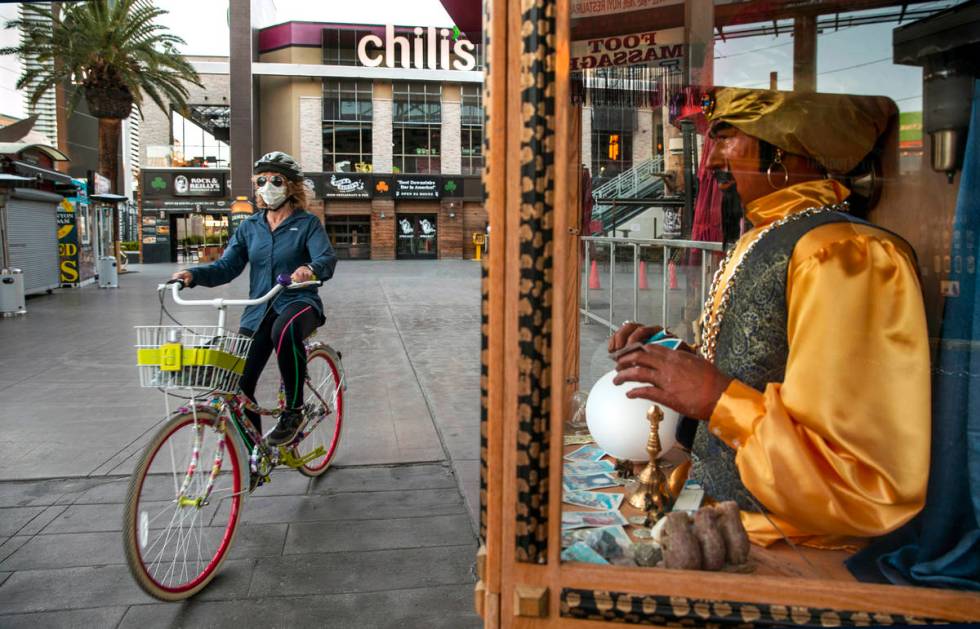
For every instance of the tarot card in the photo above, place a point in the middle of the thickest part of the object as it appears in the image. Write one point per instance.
(593, 537)
(580, 551)
(690, 497)
(570, 536)
(583, 519)
(593, 500)
(586, 453)
(585, 468)
(584, 483)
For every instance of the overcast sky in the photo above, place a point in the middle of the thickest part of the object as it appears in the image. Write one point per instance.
(204, 23)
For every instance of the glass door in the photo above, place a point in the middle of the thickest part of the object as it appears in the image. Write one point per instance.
(417, 236)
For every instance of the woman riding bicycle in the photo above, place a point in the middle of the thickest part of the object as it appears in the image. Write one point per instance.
(282, 239)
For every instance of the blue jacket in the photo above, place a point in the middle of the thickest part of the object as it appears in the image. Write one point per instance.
(298, 240)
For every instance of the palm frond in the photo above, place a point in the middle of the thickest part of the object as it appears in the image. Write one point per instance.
(103, 45)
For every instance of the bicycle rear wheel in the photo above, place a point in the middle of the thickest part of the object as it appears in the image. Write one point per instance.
(325, 408)
(176, 532)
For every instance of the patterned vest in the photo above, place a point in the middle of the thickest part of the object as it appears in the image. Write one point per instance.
(753, 346)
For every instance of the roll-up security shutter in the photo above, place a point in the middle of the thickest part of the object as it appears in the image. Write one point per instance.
(33, 242)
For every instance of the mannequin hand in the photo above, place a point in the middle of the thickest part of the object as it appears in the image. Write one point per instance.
(302, 274)
(682, 381)
(631, 332)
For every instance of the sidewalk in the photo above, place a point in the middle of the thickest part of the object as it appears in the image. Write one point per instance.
(386, 538)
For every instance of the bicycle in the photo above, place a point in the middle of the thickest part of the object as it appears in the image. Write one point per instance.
(181, 514)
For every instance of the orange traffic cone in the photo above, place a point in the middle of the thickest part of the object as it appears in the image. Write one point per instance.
(642, 279)
(672, 271)
(594, 277)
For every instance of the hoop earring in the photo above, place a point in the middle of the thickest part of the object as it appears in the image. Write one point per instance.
(777, 161)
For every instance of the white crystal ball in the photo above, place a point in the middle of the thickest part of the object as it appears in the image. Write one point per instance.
(619, 424)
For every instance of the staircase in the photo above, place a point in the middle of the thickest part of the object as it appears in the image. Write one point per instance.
(638, 182)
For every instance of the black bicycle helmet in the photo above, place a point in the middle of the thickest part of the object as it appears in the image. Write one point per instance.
(279, 162)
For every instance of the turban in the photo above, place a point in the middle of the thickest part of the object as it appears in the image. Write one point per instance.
(836, 130)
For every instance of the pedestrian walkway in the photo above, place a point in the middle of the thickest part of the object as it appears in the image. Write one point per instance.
(386, 538)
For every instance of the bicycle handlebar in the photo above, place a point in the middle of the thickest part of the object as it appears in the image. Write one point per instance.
(283, 282)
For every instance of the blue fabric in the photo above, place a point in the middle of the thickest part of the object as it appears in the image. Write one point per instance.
(298, 240)
(941, 547)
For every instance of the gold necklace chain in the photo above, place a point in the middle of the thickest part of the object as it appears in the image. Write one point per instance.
(710, 323)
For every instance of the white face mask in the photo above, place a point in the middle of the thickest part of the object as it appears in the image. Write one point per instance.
(274, 196)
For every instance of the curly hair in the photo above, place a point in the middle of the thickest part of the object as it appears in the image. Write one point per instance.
(297, 193)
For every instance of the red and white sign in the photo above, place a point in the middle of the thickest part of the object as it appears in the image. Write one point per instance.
(652, 48)
(590, 8)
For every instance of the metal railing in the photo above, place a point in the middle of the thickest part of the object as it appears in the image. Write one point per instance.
(627, 183)
(637, 244)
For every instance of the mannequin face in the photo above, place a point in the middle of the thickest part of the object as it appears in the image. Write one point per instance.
(737, 153)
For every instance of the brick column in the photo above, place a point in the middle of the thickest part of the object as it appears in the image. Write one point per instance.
(644, 138)
(381, 129)
(449, 238)
(383, 229)
(311, 133)
(451, 137)
(587, 138)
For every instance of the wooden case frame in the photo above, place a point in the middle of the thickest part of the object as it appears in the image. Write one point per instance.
(529, 369)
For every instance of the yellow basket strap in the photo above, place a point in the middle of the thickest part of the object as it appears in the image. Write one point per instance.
(193, 357)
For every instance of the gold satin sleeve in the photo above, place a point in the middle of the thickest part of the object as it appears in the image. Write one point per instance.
(840, 448)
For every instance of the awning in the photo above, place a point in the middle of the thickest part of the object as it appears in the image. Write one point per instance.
(108, 197)
(15, 148)
(30, 170)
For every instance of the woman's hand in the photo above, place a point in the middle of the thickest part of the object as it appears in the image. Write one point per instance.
(184, 276)
(682, 381)
(302, 274)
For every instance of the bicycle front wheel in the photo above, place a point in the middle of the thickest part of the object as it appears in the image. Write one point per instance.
(325, 408)
(183, 505)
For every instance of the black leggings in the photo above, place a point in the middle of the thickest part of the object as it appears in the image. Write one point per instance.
(283, 332)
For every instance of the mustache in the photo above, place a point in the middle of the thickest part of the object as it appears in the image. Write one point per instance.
(724, 176)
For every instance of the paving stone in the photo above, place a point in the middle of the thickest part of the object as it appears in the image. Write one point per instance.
(444, 607)
(70, 619)
(13, 519)
(388, 478)
(376, 571)
(363, 535)
(258, 540)
(42, 520)
(42, 492)
(12, 544)
(66, 551)
(352, 506)
(78, 588)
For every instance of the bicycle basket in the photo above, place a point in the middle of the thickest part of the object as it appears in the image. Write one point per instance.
(196, 358)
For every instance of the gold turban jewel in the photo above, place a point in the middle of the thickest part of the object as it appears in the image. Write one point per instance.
(837, 130)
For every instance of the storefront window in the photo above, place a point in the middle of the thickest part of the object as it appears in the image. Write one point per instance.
(472, 129)
(350, 236)
(417, 124)
(612, 141)
(192, 145)
(849, 119)
(347, 114)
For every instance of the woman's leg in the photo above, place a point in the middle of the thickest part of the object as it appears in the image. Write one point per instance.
(294, 324)
(258, 356)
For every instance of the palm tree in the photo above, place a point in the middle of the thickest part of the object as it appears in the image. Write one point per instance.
(112, 52)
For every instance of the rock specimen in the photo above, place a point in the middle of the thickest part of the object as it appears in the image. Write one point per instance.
(732, 531)
(681, 548)
(706, 530)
